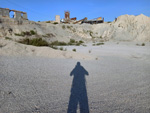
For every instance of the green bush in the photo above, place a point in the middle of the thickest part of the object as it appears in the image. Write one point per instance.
(72, 41)
(17, 34)
(26, 33)
(143, 44)
(101, 37)
(34, 41)
(8, 38)
(81, 42)
(32, 32)
(56, 43)
(74, 50)
(100, 43)
(55, 23)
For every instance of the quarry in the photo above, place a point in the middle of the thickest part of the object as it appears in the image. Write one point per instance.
(38, 61)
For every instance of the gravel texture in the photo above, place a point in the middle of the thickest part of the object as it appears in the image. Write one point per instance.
(43, 85)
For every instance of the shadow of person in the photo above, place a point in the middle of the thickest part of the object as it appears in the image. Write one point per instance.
(78, 90)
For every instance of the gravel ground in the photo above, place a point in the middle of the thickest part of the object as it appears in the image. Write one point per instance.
(115, 84)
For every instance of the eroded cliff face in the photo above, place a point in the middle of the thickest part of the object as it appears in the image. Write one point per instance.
(125, 28)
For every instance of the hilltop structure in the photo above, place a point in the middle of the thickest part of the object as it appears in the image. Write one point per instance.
(5, 12)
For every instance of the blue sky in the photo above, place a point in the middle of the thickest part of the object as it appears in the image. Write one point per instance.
(44, 10)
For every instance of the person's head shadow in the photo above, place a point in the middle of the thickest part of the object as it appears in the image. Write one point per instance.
(78, 90)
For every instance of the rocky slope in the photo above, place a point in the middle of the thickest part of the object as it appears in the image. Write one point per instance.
(125, 28)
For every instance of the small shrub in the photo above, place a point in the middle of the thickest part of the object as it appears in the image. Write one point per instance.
(143, 44)
(33, 32)
(8, 38)
(63, 27)
(90, 32)
(72, 41)
(69, 27)
(100, 44)
(55, 23)
(61, 48)
(17, 34)
(26, 33)
(77, 44)
(49, 35)
(35, 42)
(74, 50)
(81, 42)
(56, 43)
(54, 47)
(89, 51)
(101, 37)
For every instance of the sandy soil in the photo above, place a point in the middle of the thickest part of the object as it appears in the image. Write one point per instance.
(118, 81)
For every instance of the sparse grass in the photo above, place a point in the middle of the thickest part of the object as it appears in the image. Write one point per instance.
(41, 42)
(8, 38)
(34, 41)
(74, 50)
(84, 45)
(77, 43)
(91, 33)
(143, 44)
(48, 22)
(57, 43)
(101, 43)
(26, 33)
(49, 35)
(72, 41)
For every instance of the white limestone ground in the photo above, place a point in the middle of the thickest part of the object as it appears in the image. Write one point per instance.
(118, 81)
(11, 48)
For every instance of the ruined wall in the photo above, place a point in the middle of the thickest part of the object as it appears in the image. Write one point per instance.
(4, 12)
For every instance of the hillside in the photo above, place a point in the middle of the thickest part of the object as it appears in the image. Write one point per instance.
(125, 28)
